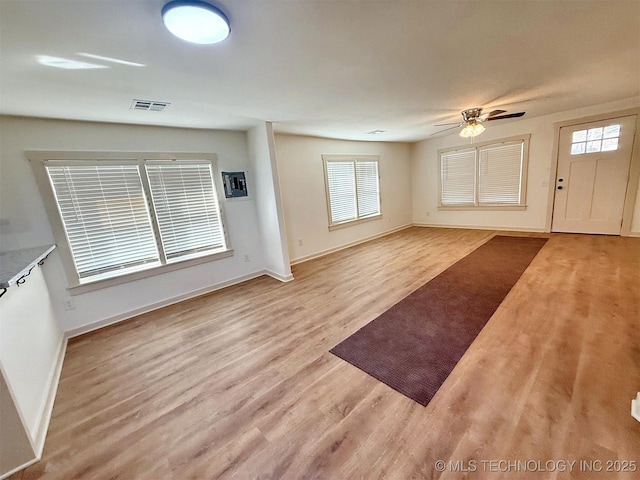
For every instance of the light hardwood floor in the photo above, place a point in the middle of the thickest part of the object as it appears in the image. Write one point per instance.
(240, 384)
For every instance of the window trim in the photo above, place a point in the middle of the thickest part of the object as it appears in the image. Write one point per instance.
(38, 161)
(349, 158)
(525, 139)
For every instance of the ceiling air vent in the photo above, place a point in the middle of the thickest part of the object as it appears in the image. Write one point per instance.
(148, 105)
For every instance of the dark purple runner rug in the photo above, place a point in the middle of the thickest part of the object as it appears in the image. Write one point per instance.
(414, 346)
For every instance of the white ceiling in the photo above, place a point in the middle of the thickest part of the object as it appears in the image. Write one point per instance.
(333, 68)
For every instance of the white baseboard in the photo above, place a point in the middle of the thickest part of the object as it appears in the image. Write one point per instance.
(164, 303)
(278, 276)
(482, 227)
(322, 253)
(347, 245)
(47, 405)
(21, 467)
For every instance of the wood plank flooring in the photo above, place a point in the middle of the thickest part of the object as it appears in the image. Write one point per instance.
(240, 384)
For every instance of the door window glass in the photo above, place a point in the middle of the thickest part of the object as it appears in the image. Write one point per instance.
(592, 140)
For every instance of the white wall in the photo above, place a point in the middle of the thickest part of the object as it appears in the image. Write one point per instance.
(30, 350)
(269, 202)
(25, 223)
(303, 192)
(18, 451)
(534, 218)
(408, 190)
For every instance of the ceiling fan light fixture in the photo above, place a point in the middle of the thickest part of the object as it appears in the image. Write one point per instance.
(472, 129)
(196, 21)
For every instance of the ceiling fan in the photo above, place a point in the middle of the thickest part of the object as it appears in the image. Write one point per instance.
(473, 119)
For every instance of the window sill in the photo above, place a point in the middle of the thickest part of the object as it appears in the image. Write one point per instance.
(338, 226)
(481, 207)
(79, 289)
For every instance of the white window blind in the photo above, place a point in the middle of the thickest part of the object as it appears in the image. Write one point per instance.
(368, 188)
(342, 191)
(126, 212)
(484, 176)
(458, 172)
(105, 216)
(499, 175)
(186, 208)
(353, 188)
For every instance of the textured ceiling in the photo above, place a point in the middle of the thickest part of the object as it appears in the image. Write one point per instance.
(321, 67)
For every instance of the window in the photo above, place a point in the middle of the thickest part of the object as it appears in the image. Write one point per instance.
(186, 208)
(353, 189)
(105, 216)
(599, 139)
(488, 175)
(127, 213)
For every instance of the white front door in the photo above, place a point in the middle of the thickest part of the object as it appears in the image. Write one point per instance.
(592, 176)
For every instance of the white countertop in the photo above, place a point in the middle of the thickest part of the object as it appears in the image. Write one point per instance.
(14, 264)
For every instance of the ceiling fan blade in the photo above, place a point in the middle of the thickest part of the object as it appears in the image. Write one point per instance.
(502, 117)
(450, 128)
(496, 112)
(445, 124)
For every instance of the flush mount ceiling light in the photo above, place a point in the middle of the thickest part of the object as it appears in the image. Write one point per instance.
(196, 21)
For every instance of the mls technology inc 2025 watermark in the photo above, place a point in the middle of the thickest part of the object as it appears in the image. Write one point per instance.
(533, 465)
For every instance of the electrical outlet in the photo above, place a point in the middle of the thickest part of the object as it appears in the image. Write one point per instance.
(69, 304)
(428, 213)
(299, 242)
(246, 258)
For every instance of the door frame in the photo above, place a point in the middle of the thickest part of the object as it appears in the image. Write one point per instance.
(634, 168)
